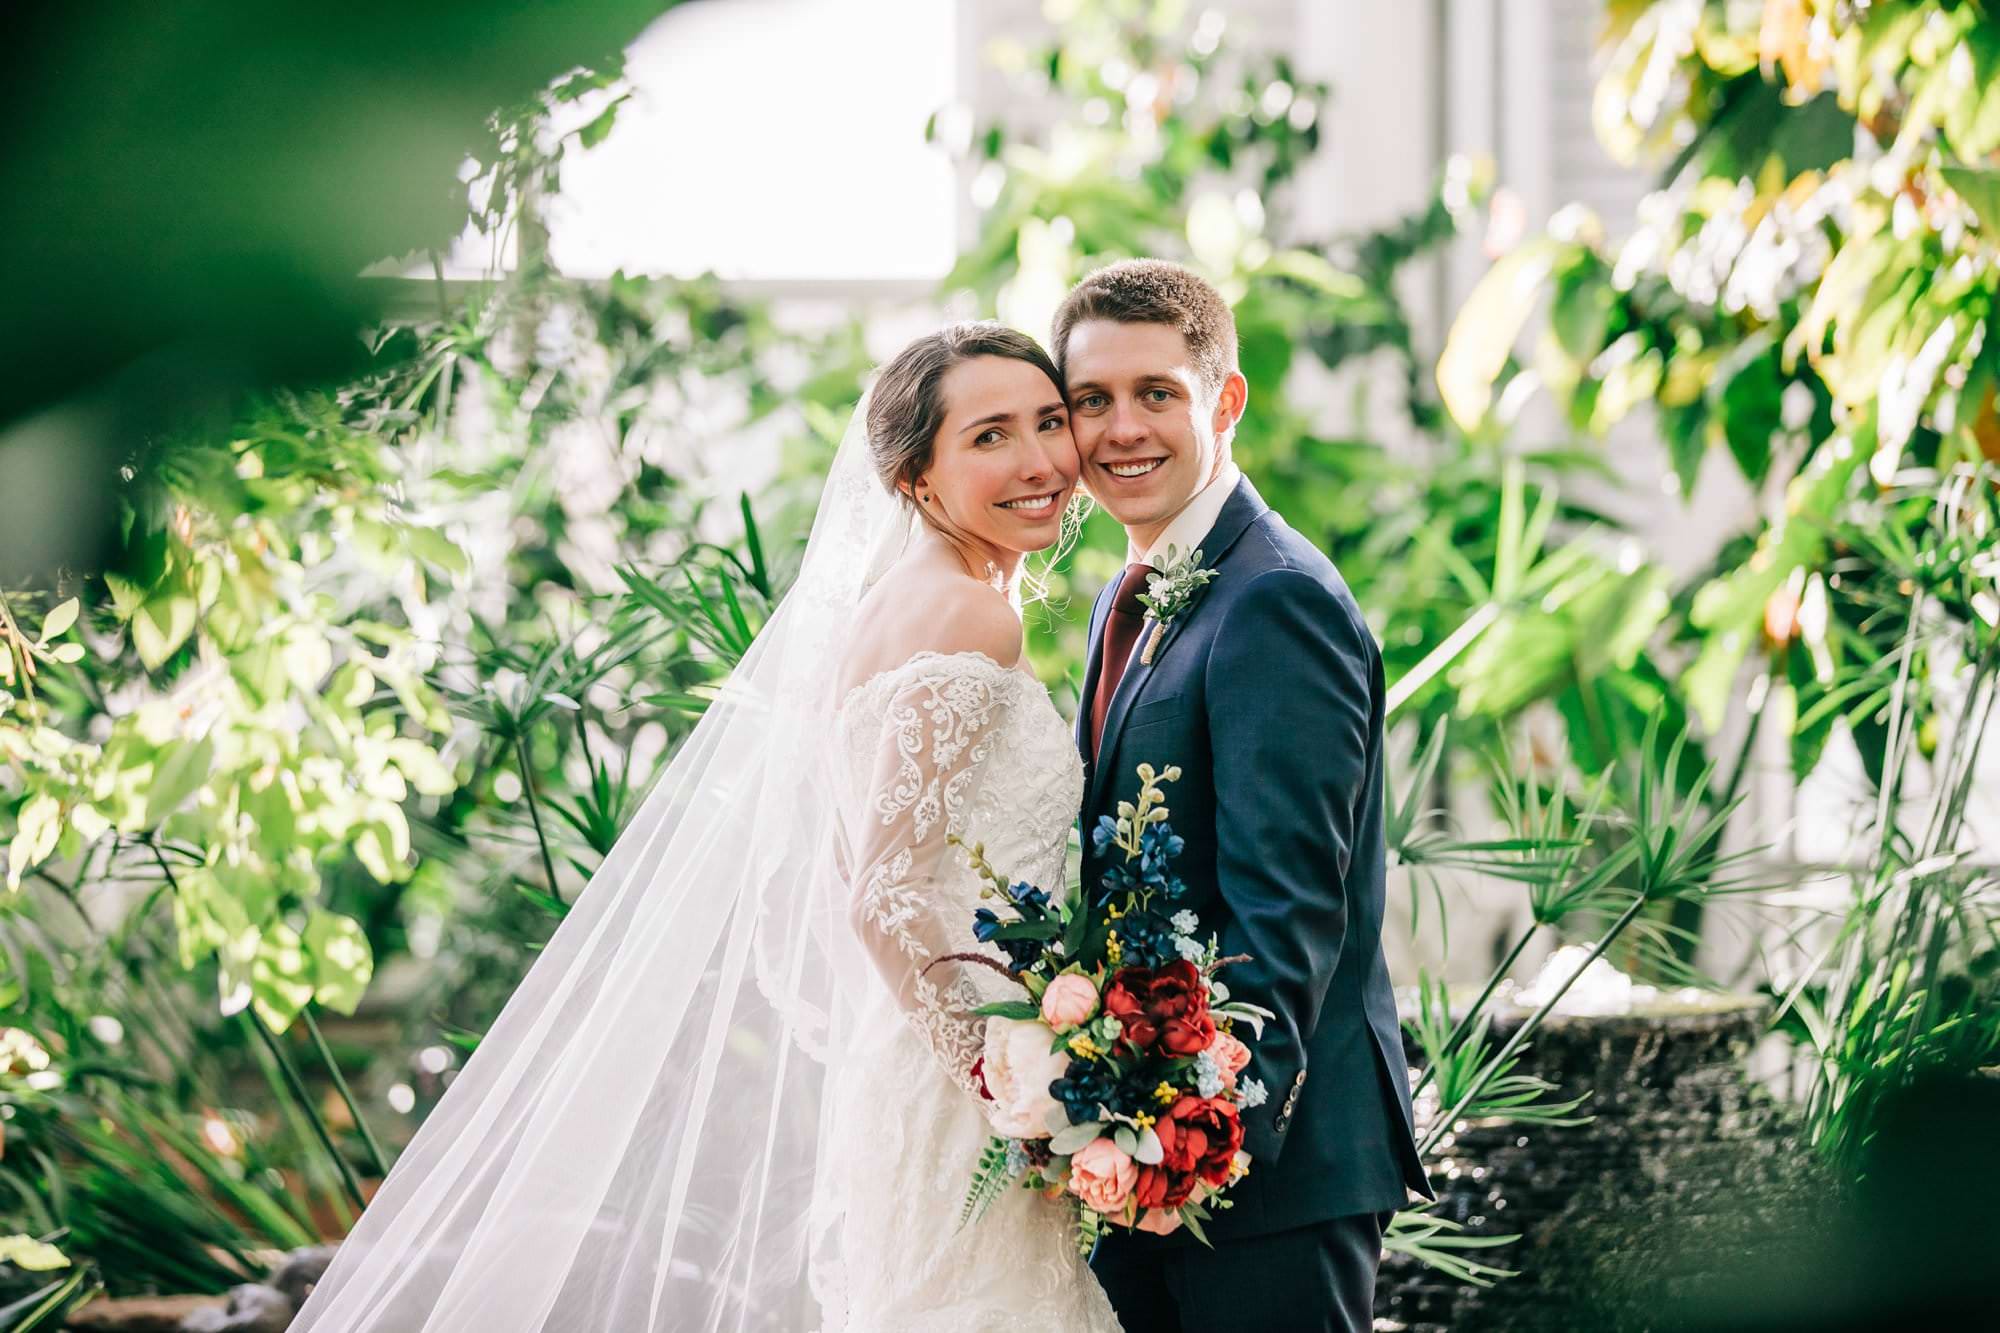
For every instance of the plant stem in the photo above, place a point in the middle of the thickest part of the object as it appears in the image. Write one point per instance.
(304, 1098)
(1686, 913)
(1472, 1014)
(376, 1161)
(535, 813)
(292, 1079)
(1493, 1066)
(1441, 656)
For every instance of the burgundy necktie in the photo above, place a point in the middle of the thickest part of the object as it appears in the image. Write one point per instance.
(1121, 631)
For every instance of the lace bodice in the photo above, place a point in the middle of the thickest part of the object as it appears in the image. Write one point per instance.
(949, 744)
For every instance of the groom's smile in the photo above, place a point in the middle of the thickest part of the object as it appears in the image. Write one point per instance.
(1136, 410)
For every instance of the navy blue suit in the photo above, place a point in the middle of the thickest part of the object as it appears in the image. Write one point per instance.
(1268, 693)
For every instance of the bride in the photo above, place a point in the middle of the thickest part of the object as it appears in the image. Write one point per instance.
(740, 1087)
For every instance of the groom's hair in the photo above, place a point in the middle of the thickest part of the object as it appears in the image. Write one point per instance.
(1155, 291)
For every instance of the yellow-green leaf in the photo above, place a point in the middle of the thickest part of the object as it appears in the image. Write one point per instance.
(1483, 335)
(342, 963)
(281, 977)
(161, 627)
(34, 837)
(31, 1255)
(60, 619)
(183, 767)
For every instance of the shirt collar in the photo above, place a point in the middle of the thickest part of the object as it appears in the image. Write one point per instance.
(1192, 524)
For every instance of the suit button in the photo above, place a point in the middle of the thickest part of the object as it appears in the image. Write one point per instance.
(1300, 1080)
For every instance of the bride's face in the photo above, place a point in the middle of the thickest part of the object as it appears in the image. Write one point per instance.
(1003, 465)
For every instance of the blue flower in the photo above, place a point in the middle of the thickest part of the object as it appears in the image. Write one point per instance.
(1120, 879)
(986, 925)
(1160, 843)
(1026, 896)
(1106, 830)
(1148, 939)
(1088, 1085)
(1253, 1092)
(1207, 1075)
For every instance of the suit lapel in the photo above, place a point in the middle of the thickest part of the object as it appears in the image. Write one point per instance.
(1238, 513)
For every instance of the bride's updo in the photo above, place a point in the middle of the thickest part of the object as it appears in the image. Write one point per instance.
(906, 406)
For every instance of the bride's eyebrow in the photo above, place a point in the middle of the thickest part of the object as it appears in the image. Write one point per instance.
(995, 419)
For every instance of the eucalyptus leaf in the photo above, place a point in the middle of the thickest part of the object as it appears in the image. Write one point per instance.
(1072, 1138)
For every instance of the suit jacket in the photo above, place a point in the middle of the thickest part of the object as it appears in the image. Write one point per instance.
(1268, 693)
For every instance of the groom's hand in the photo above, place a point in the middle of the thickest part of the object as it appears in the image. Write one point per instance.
(1290, 700)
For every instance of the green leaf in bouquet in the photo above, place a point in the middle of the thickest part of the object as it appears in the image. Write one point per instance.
(989, 1179)
(1127, 1141)
(1089, 1225)
(1193, 1224)
(1149, 1151)
(1019, 1010)
(1072, 1138)
(1027, 930)
(1074, 934)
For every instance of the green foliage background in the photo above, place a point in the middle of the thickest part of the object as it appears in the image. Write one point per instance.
(381, 669)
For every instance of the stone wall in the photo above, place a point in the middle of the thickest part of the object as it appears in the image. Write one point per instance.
(1682, 1153)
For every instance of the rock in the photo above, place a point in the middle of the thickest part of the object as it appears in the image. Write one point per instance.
(251, 1309)
(300, 1270)
(1680, 1144)
(139, 1314)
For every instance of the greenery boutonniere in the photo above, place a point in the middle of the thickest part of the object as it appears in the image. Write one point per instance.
(1170, 592)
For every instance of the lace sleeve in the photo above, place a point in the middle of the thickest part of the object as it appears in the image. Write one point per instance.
(937, 730)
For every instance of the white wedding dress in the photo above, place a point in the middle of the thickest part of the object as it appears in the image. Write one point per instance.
(946, 744)
(725, 1098)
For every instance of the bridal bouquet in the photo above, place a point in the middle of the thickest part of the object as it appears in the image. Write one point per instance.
(1117, 1083)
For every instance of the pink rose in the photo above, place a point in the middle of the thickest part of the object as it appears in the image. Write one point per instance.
(1019, 1066)
(1102, 1175)
(1160, 1222)
(1230, 1056)
(1069, 1001)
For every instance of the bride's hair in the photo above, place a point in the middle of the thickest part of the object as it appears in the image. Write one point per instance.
(906, 406)
(906, 410)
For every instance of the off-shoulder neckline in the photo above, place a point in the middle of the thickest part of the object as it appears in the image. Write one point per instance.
(929, 655)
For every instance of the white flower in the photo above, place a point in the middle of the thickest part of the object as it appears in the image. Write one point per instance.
(1252, 1092)
(1019, 1068)
(1207, 1075)
(1190, 949)
(1186, 922)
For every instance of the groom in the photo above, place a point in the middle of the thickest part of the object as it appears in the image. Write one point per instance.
(1267, 691)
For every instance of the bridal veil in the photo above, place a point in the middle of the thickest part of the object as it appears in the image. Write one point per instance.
(634, 1144)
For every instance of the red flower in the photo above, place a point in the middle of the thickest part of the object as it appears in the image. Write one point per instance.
(1168, 1006)
(1194, 1135)
(1208, 1134)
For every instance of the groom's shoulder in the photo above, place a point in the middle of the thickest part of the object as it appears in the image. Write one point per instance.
(1273, 561)
(1272, 545)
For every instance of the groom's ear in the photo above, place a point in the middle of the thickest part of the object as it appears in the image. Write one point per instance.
(1230, 401)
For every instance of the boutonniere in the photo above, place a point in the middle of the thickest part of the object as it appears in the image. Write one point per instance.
(1170, 592)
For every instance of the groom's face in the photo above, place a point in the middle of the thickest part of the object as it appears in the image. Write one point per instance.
(1146, 429)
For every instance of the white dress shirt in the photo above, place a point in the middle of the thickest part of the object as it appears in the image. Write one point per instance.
(1187, 529)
